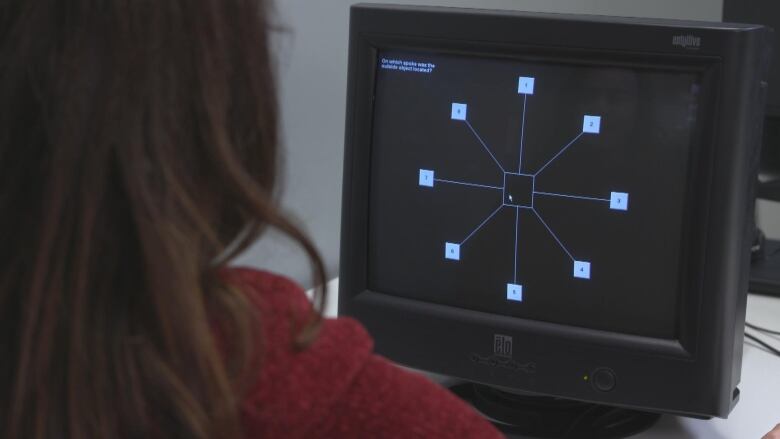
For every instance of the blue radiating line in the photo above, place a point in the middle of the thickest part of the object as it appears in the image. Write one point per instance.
(522, 136)
(517, 220)
(480, 226)
(579, 197)
(553, 234)
(468, 184)
(468, 124)
(559, 153)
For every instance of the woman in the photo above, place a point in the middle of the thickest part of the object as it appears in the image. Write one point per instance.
(138, 155)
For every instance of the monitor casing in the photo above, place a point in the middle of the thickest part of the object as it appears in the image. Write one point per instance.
(696, 374)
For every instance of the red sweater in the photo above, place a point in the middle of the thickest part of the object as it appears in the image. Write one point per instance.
(337, 388)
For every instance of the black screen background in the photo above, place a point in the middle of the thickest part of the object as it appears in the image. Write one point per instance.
(647, 120)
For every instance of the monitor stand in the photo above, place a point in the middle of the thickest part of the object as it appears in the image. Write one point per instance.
(546, 417)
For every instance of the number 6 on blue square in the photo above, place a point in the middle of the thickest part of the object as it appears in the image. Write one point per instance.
(452, 251)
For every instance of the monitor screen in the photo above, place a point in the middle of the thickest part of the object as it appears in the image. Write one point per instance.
(540, 188)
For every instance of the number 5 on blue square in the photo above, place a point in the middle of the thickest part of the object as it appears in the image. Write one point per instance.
(514, 292)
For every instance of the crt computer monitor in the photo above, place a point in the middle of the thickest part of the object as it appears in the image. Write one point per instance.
(554, 204)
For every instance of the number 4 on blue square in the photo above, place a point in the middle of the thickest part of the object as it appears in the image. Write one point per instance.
(582, 269)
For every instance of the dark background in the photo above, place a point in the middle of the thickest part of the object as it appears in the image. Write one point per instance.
(647, 117)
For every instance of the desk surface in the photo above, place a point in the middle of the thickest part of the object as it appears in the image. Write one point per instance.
(759, 407)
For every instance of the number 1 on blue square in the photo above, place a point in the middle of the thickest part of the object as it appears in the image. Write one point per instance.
(525, 85)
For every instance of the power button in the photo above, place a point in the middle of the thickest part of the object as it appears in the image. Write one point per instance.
(603, 379)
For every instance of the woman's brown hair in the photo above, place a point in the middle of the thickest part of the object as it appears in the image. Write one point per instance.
(138, 150)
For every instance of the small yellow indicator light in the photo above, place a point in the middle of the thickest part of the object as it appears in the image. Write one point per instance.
(585, 378)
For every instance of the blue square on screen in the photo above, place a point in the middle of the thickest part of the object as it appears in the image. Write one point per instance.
(582, 269)
(452, 251)
(426, 177)
(525, 85)
(591, 124)
(514, 292)
(459, 111)
(618, 201)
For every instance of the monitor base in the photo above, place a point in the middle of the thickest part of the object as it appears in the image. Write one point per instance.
(546, 417)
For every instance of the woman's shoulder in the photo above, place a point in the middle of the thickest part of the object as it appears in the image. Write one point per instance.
(337, 387)
(296, 388)
(283, 309)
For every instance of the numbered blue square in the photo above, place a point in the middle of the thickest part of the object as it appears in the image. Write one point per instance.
(525, 85)
(514, 292)
(591, 124)
(452, 251)
(618, 201)
(426, 177)
(459, 111)
(582, 269)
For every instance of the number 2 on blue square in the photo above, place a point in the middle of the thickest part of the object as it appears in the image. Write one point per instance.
(591, 124)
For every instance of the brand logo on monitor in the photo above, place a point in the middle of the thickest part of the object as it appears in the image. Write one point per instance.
(502, 345)
(502, 362)
(686, 41)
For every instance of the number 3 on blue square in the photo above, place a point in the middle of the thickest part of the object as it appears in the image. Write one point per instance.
(582, 269)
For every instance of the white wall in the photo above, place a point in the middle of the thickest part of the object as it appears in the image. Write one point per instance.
(768, 215)
(313, 92)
